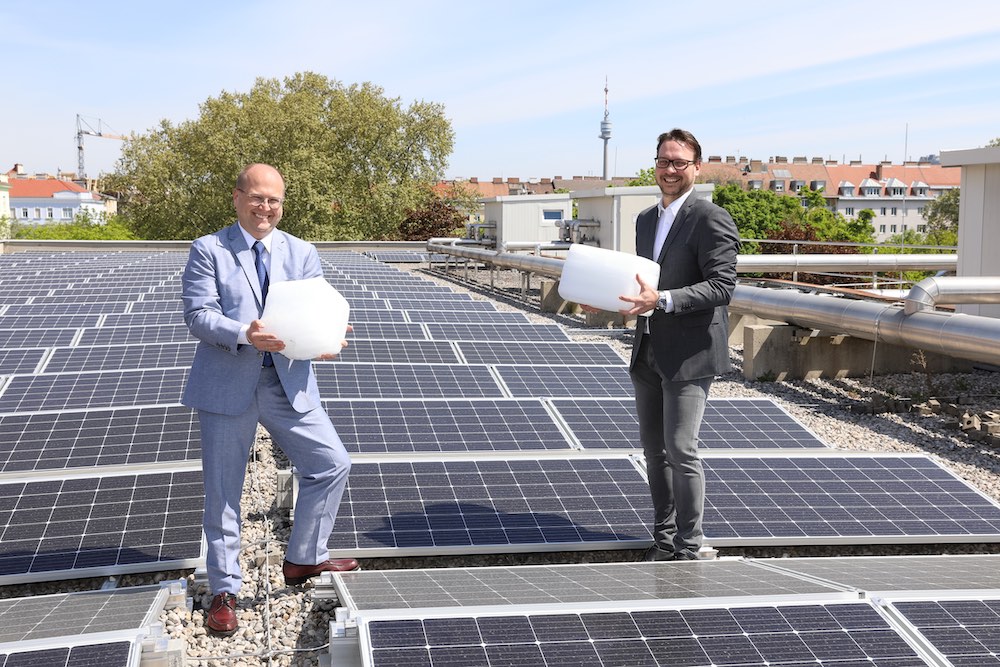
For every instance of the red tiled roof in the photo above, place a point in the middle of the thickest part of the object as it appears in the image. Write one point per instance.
(41, 187)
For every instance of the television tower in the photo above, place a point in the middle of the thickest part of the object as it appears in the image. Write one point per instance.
(605, 129)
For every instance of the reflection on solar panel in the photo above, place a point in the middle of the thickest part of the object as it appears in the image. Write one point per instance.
(400, 256)
(81, 613)
(120, 357)
(107, 654)
(892, 574)
(966, 632)
(842, 499)
(339, 380)
(566, 382)
(467, 316)
(728, 424)
(565, 584)
(454, 425)
(795, 635)
(491, 332)
(136, 335)
(398, 351)
(19, 360)
(56, 440)
(455, 506)
(561, 354)
(65, 391)
(100, 525)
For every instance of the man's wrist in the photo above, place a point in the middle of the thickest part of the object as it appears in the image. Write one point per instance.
(663, 300)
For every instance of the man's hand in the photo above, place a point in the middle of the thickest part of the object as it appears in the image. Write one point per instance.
(645, 302)
(263, 341)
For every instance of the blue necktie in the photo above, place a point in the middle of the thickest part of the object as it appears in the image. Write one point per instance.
(258, 262)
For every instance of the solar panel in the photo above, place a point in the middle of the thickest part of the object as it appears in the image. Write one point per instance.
(729, 423)
(453, 425)
(120, 357)
(57, 309)
(795, 635)
(139, 320)
(467, 316)
(896, 574)
(490, 505)
(540, 353)
(19, 360)
(491, 332)
(42, 617)
(65, 391)
(386, 330)
(842, 499)
(122, 436)
(105, 654)
(966, 632)
(340, 380)
(136, 335)
(376, 316)
(587, 584)
(397, 351)
(158, 306)
(442, 302)
(566, 382)
(90, 526)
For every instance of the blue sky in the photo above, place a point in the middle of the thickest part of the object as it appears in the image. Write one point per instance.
(522, 83)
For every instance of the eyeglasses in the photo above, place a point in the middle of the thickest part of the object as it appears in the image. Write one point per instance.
(678, 165)
(257, 200)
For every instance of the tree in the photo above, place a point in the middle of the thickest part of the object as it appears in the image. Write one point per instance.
(434, 218)
(993, 143)
(941, 213)
(354, 160)
(644, 177)
(84, 226)
(757, 213)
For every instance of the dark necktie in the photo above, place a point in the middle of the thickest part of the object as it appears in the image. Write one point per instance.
(258, 261)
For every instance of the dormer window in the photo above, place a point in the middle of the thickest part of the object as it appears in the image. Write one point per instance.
(755, 184)
(796, 186)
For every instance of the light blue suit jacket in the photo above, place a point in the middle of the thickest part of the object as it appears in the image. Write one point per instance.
(221, 294)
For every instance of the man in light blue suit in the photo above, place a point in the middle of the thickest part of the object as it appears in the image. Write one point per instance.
(239, 379)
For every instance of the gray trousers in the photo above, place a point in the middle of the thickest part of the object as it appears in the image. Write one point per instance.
(670, 415)
(312, 445)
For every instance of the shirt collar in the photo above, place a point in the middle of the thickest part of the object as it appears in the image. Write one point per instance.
(266, 241)
(674, 206)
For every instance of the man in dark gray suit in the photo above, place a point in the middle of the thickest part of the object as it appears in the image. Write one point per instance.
(239, 379)
(683, 343)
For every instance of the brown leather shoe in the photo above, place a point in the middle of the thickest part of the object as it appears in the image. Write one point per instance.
(221, 619)
(298, 574)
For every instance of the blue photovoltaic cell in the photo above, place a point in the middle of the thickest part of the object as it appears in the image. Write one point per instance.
(454, 425)
(566, 382)
(728, 424)
(361, 350)
(19, 360)
(967, 632)
(375, 316)
(386, 330)
(847, 635)
(151, 520)
(25, 338)
(540, 353)
(65, 391)
(111, 654)
(467, 316)
(83, 439)
(136, 335)
(341, 380)
(491, 505)
(827, 499)
(120, 357)
(490, 332)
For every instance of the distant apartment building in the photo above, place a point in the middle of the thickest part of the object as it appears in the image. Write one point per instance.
(43, 199)
(4, 197)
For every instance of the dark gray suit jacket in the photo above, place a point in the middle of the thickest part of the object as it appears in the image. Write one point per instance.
(698, 266)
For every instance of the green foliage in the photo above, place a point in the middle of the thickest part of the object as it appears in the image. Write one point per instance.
(644, 177)
(353, 160)
(941, 213)
(757, 213)
(83, 227)
(993, 143)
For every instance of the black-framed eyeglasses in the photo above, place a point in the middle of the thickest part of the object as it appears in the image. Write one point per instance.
(257, 200)
(678, 165)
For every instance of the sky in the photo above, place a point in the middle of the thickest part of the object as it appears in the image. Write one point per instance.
(523, 83)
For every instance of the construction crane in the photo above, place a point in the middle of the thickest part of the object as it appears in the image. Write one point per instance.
(82, 128)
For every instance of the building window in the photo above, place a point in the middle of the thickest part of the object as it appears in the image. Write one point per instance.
(756, 185)
(881, 229)
(897, 192)
(49, 213)
(920, 210)
(883, 210)
(24, 214)
(552, 215)
(67, 213)
(922, 229)
(849, 210)
(893, 229)
(38, 214)
(894, 209)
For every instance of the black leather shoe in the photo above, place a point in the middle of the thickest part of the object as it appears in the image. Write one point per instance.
(658, 553)
(686, 554)
(299, 574)
(221, 618)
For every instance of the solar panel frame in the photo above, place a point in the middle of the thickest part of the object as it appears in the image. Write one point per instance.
(96, 389)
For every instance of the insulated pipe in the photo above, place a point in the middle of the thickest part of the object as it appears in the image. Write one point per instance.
(951, 334)
(545, 266)
(951, 289)
(867, 263)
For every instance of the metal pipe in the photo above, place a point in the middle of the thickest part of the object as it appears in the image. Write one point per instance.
(929, 292)
(814, 262)
(534, 245)
(951, 334)
(545, 266)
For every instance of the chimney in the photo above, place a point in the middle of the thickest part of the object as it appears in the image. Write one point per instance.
(781, 159)
(474, 179)
(799, 159)
(513, 180)
(855, 163)
(546, 180)
(497, 180)
(715, 158)
(730, 159)
(756, 165)
(817, 160)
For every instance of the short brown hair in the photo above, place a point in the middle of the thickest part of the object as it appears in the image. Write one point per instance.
(681, 137)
